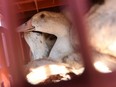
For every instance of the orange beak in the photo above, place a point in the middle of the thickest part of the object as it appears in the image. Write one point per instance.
(26, 27)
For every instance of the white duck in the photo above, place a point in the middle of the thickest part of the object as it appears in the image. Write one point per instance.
(101, 27)
(58, 25)
(102, 35)
(101, 21)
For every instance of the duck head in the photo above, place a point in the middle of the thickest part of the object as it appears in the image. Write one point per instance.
(26, 27)
(51, 22)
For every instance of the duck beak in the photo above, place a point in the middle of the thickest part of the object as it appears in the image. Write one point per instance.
(26, 27)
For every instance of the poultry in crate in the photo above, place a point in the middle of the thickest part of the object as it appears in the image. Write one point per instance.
(61, 54)
(102, 32)
(58, 25)
(100, 24)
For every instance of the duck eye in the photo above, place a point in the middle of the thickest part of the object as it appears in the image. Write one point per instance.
(25, 23)
(42, 15)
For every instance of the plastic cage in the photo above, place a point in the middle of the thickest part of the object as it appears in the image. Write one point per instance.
(13, 54)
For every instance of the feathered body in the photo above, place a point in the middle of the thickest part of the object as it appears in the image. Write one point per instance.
(61, 53)
(101, 28)
(58, 25)
(37, 44)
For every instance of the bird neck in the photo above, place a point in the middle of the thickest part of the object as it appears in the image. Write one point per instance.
(61, 48)
(38, 51)
(62, 34)
(65, 42)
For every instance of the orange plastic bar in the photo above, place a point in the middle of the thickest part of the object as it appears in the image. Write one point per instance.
(13, 43)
